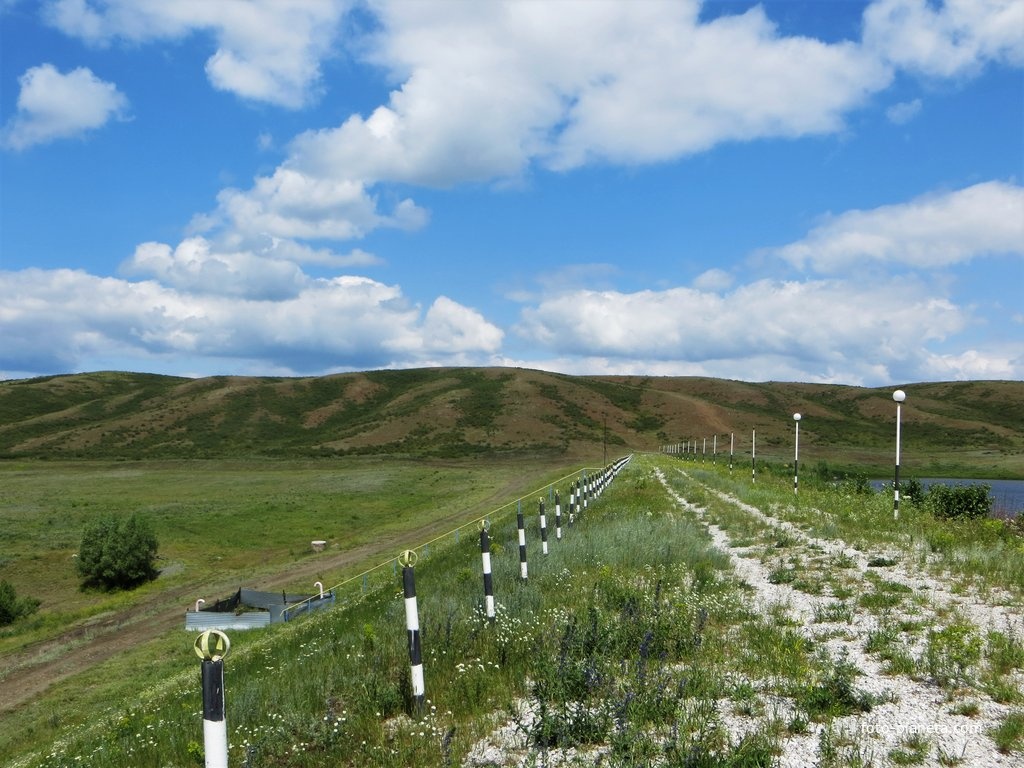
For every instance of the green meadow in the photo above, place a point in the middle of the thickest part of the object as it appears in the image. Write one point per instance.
(640, 640)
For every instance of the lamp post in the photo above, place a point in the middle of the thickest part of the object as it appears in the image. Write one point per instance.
(796, 455)
(899, 396)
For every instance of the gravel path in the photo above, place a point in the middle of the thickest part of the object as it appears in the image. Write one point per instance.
(917, 706)
(909, 708)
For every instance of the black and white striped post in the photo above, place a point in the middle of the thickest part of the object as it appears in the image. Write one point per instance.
(521, 525)
(714, 450)
(212, 646)
(899, 396)
(704, 451)
(543, 529)
(558, 517)
(796, 455)
(753, 456)
(412, 625)
(572, 503)
(485, 556)
(732, 445)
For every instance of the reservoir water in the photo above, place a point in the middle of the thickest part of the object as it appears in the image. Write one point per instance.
(1007, 495)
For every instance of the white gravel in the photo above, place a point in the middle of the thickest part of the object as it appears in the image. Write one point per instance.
(914, 706)
(918, 706)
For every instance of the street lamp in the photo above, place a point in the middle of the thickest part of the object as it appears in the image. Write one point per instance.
(796, 455)
(899, 396)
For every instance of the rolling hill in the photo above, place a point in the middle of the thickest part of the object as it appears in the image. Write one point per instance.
(972, 427)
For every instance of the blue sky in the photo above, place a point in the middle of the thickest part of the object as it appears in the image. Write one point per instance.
(825, 191)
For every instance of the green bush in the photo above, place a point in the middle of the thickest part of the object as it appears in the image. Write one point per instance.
(117, 554)
(960, 502)
(13, 607)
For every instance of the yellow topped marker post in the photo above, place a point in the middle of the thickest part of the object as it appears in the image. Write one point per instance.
(211, 647)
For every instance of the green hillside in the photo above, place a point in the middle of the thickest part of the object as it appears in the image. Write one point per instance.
(951, 427)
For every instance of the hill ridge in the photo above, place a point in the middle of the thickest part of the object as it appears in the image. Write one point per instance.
(454, 412)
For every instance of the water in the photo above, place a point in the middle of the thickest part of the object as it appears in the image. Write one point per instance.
(1007, 495)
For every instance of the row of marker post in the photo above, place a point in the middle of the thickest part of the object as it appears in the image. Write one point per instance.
(582, 492)
(212, 646)
(689, 451)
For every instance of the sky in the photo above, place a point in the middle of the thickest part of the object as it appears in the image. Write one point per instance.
(825, 191)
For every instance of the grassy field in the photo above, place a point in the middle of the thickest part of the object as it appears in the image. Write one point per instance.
(221, 525)
(689, 618)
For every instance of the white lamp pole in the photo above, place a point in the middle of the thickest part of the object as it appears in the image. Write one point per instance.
(796, 455)
(899, 396)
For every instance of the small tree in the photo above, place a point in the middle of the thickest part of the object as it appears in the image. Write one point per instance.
(117, 554)
(13, 607)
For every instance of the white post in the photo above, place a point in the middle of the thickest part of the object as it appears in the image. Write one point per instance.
(899, 396)
(796, 455)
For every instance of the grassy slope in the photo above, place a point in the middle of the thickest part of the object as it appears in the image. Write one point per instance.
(973, 428)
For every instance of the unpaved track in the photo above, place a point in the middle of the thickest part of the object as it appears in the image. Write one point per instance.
(96, 640)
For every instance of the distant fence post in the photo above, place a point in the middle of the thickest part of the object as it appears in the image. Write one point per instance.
(558, 517)
(485, 556)
(521, 525)
(212, 646)
(412, 624)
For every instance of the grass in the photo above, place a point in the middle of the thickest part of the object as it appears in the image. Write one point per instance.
(219, 518)
(1009, 734)
(632, 642)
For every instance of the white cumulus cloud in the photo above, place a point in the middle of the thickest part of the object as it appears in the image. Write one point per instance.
(951, 39)
(823, 329)
(53, 105)
(933, 231)
(266, 50)
(62, 319)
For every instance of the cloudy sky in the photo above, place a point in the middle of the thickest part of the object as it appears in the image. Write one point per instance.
(827, 191)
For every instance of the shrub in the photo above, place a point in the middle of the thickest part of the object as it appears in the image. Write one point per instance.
(13, 607)
(960, 502)
(117, 554)
(911, 489)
